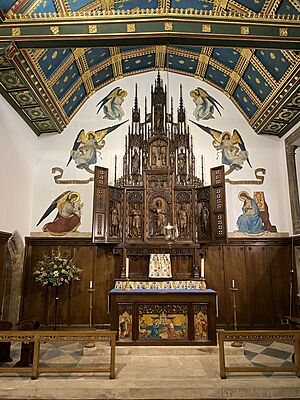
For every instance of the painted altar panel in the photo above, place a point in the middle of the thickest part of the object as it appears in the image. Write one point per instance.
(163, 322)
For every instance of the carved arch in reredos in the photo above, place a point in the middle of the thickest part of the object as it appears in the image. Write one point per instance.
(159, 214)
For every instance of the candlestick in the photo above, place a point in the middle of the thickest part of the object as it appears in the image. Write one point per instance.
(234, 290)
(202, 268)
(127, 268)
(90, 292)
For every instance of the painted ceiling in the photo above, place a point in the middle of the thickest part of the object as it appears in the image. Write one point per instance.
(48, 85)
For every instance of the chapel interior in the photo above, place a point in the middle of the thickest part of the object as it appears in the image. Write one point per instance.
(135, 134)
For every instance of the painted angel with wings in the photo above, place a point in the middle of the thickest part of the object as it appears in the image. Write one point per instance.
(68, 217)
(112, 103)
(86, 146)
(231, 145)
(205, 104)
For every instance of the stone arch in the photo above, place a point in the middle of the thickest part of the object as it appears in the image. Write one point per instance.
(13, 278)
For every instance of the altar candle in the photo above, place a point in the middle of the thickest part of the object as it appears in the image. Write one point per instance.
(127, 268)
(233, 283)
(91, 284)
(202, 268)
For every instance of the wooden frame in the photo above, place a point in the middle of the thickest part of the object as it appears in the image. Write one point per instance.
(62, 336)
(258, 336)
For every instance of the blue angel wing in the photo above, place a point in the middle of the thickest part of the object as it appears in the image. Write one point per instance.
(216, 135)
(237, 138)
(215, 103)
(76, 144)
(52, 206)
(105, 99)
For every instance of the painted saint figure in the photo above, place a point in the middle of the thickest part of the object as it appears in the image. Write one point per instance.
(68, 216)
(232, 147)
(250, 221)
(112, 103)
(205, 104)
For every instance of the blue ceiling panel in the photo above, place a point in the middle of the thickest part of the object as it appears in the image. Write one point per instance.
(275, 62)
(77, 4)
(181, 63)
(45, 6)
(66, 81)
(286, 7)
(5, 5)
(52, 59)
(196, 4)
(227, 57)
(244, 101)
(96, 56)
(102, 76)
(131, 4)
(74, 101)
(254, 5)
(216, 77)
(141, 62)
(257, 82)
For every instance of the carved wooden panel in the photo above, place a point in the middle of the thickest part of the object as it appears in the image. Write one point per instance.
(218, 208)
(115, 217)
(101, 205)
(134, 227)
(184, 214)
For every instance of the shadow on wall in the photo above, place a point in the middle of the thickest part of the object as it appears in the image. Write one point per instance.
(13, 278)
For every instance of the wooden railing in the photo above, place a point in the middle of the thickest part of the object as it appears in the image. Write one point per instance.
(259, 336)
(38, 337)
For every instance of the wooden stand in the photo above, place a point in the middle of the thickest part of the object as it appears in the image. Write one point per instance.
(90, 292)
(235, 343)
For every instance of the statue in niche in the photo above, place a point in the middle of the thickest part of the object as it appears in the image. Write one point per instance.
(115, 222)
(204, 220)
(181, 162)
(159, 218)
(136, 222)
(182, 221)
(135, 162)
(158, 153)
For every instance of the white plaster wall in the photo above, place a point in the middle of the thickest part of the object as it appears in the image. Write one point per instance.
(264, 151)
(297, 158)
(17, 154)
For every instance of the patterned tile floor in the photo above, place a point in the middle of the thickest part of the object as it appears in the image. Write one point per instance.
(270, 353)
(70, 354)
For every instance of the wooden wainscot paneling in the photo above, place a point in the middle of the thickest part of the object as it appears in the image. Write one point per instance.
(261, 270)
(4, 236)
(97, 264)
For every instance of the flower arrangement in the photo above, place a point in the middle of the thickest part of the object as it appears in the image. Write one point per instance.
(56, 271)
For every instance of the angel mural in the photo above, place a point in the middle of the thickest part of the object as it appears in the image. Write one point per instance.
(112, 103)
(205, 104)
(68, 217)
(86, 146)
(232, 147)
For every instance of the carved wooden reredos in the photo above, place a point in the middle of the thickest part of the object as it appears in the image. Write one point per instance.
(159, 185)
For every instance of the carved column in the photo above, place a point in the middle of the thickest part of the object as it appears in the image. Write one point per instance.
(293, 185)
